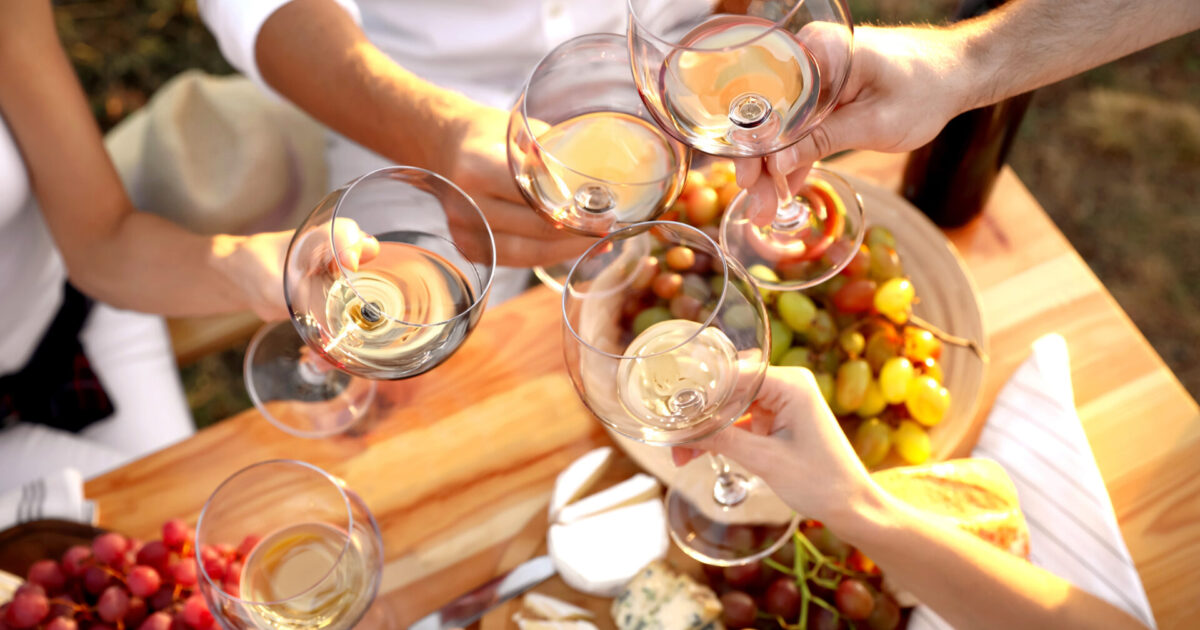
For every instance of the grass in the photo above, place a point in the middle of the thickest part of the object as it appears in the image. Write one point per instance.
(1113, 155)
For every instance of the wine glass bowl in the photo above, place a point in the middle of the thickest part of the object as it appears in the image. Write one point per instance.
(680, 373)
(384, 280)
(314, 554)
(740, 79)
(816, 244)
(405, 310)
(585, 152)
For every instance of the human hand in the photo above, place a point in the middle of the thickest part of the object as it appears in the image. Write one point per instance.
(523, 238)
(255, 263)
(903, 87)
(795, 445)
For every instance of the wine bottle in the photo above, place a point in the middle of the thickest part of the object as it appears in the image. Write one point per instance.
(950, 178)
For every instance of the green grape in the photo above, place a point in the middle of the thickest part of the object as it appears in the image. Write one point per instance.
(927, 401)
(879, 235)
(717, 284)
(799, 356)
(873, 403)
(881, 346)
(797, 310)
(739, 316)
(894, 377)
(852, 343)
(825, 384)
(920, 344)
(823, 331)
(885, 263)
(872, 441)
(650, 317)
(764, 273)
(911, 442)
(781, 340)
(894, 298)
(933, 369)
(696, 286)
(853, 378)
(829, 360)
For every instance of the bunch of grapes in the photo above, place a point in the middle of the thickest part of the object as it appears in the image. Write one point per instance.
(879, 373)
(818, 582)
(120, 583)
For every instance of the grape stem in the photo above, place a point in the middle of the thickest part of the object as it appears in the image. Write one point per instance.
(947, 338)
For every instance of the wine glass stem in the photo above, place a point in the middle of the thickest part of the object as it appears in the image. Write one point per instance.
(730, 488)
(792, 213)
(313, 368)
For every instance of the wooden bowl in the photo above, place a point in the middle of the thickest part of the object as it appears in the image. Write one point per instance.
(947, 299)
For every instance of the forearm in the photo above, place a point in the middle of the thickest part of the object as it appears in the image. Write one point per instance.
(1026, 44)
(966, 581)
(312, 52)
(113, 252)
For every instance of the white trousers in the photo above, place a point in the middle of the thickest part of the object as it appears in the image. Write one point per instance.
(132, 356)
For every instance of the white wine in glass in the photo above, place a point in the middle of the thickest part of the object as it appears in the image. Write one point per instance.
(283, 564)
(583, 149)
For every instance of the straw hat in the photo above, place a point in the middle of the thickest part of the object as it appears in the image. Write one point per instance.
(216, 154)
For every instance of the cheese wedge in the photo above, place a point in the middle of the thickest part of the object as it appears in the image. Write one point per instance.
(546, 607)
(578, 478)
(638, 488)
(659, 598)
(600, 554)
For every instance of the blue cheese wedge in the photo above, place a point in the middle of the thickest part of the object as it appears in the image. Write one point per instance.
(659, 598)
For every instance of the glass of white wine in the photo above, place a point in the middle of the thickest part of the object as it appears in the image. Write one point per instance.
(745, 80)
(584, 150)
(314, 554)
(369, 315)
(667, 342)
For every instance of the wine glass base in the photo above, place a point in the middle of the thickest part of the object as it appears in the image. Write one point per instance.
(803, 253)
(299, 392)
(725, 535)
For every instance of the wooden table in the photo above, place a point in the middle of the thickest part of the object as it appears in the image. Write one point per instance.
(460, 473)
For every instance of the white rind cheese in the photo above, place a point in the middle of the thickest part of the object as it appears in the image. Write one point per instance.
(578, 478)
(557, 624)
(638, 488)
(600, 554)
(546, 607)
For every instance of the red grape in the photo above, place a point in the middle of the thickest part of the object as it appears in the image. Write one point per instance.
(854, 599)
(175, 533)
(143, 581)
(110, 548)
(743, 575)
(163, 598)
(113, 604)
(886, 615)
(822, 619)
(158, 621)
(47, 574)
(783, 598)
(62, 623)
(74, 561)
(185, 572)
(740, 609)
(248, 545)
(196, 614)
(226, 551)
(96, 579)
(856, 296)
(27, 609)
(859, 265)
(154, 554)
(138, 609)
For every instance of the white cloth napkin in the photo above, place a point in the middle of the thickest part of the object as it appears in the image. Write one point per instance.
(58, 496)
(1035, 434)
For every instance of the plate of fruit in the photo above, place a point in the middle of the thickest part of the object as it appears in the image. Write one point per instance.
(896, 339)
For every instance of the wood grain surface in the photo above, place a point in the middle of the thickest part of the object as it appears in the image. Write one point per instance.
(459, 463)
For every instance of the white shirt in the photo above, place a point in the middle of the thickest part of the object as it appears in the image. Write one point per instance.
(484, 50)
(31, 271)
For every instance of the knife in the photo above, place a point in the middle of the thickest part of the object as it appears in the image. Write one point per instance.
(471, 606)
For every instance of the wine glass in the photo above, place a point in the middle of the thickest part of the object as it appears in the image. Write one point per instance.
(748, 79)
(314, 555)
(667, 342)
(391, 315)
(585, 152)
